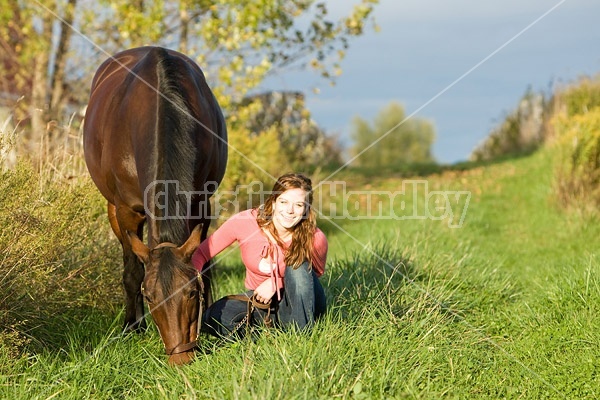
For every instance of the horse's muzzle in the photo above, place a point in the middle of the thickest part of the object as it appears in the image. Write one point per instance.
(182, 358)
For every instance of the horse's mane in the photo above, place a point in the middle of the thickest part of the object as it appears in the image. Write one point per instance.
(177, 155)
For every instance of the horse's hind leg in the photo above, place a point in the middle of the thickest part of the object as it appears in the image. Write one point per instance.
(112, 218)
(133, 275)
(123, 220)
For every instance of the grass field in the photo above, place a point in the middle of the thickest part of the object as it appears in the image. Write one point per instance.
(504, 306)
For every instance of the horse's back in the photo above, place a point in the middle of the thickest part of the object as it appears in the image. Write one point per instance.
(141, 99)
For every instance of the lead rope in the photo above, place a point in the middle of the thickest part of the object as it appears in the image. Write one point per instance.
(252, 302)
(247, 320)
(200, 304)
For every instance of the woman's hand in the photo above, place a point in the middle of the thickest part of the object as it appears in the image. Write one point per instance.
(265, 291)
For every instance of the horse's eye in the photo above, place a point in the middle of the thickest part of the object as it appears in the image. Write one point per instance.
(193, 294)
(146, 296)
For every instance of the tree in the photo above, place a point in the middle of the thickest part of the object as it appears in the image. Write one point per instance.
(301, 140)
(34, 58)
(392, 140)
(520, 132)
(236, 42)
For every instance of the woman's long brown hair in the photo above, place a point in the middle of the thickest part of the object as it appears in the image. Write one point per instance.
(301, 248)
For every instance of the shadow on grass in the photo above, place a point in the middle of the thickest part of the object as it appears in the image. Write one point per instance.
(368, 279)
(80, 329)
(381, 281)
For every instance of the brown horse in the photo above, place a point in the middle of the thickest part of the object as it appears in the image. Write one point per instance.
(155, 145)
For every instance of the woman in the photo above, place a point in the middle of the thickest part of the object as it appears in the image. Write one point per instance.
(284, 253)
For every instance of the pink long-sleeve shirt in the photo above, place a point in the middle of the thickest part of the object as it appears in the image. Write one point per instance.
(263, 259)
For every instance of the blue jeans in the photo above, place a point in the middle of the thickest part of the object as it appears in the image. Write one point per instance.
(302, 302)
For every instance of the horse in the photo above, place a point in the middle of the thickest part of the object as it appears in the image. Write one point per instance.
(155, 145)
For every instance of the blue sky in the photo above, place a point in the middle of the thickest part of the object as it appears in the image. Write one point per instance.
(461, 64)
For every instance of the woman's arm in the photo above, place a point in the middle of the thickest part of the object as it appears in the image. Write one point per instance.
(320, 247)
(215, 243)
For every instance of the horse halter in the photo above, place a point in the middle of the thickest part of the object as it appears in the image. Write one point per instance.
(182, 348)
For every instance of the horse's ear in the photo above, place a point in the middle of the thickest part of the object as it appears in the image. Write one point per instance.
(189, 247)
(138, 247)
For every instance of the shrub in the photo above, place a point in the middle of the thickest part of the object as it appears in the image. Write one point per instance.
(576, 126)
(582, 97)
(252, 158)
(577, 177)
(58, 254)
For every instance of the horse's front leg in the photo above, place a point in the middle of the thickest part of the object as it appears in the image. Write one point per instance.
(133, 275)
(201, 213)
(207, 271)
(123, 219)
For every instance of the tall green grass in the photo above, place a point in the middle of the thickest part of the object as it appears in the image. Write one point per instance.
(504, 307)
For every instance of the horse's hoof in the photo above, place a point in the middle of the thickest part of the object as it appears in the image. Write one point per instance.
(136, 327)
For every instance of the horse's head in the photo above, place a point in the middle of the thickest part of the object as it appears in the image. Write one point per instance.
(173, 291)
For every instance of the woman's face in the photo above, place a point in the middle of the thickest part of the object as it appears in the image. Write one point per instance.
(288, 209)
